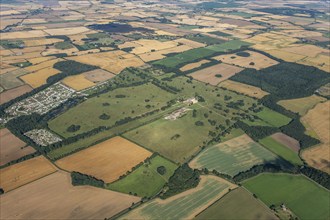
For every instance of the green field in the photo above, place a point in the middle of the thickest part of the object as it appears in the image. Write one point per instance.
(228, 46)
(302, 196)
(63, 45)
(117, 104)
(233, 156)
(205, 39)
(145, 181)
(281, 150)
(182, 206)
(237, 205)
(301, 105)
(235, 132)
(268, 117)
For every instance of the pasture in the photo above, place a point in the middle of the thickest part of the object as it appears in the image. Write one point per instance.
(303, 197)
(185, 205)
(25, 172)
(238, 204)
(107, 160)
(233, 156)
(146, 180)
(301, 105)
(246, 89)
(268, 117)
(281, 150)
(55, 198)
(11, 147)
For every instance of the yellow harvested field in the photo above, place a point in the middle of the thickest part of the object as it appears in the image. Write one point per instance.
(248, 90)
(39, 77)
(78, 82)
(107, 160)
(52, 51)
(157, 55)
(98, 75)
(146, 46)
(9, 12)
(216, 74)
(310, 50)
(20, 58)
(160, 32)
(286, 56)
(7, 70)
(301, 105)
(43, 65)
(190, 43)
(34, 21)
(318, 119)
(67, 31)
(22, 34)
(191, 66)
(320, 61)
(25, 172)
(53, 197)
(38, 60)
(41, 41)
(259, 61)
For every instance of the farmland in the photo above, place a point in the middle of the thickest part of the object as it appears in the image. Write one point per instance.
(238, 204)
(302, 196)
(233, 156)
(94, 161)
(25, 172)
(55, 198)
(301, 105)
(248, 90)
(184, 205)
(268, 117)
(13, 93)
(146, 180)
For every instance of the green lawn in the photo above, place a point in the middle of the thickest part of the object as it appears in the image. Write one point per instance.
(281, 150)
(145, 181)
(304, 197)
(237, 205)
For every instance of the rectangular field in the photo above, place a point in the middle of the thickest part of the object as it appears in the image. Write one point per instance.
(238, 204)
(14, 93)
(286, 140)
(303, 197)
(185, 205)
(107, 160)
(77, 82)
(268, 117)
(246, 89)
(25, 172)
(233, 156)
(55, 198)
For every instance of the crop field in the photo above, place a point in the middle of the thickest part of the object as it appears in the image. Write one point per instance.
(301, 105)
(114, 105)
(281, 150)
(145, 46)
(286, 140)
(318, 121)
(9, 80)
(238, 204)
(146, 180)
(11, 147)
(41, 41)
(185, 205)
(233, 156)
(303, 197)
(55, 198)
(98, 75)
(215, 74)
(107, 160)
(246, 89)
(25, 172)
(39, 77)
(22, 34)
(13, 93)
(78, 82)
(268, 117)
(157, 55)
(253, 60)
(191, 66)
(67, 31)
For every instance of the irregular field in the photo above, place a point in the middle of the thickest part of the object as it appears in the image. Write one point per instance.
(233, 156)
(66, 31)
(318, 120)
(208, 75)
(22, 34)
(9, 80)
(185, 205)
(301, 105)
(281, 150)
(107, 160)
(286, 140)
(11, 147)
(145, 181)
(14, 93)
(191, 66)
(243, 88)
(238, 204)
(303, 197)
(98, 75)
(39, 77)
(53, 197)
(268, 117)
(259, 61)
(78, 82)
(25, 172)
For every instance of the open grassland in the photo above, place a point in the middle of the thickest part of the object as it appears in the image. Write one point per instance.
(78, 82)
(318, 121)
(281, 150)
(25, 172)
(301, 105)
(55, 198)
(238, 204)
(233, 156)
(246, 89)
(215, 74)
(268, 117)
(303, 197)
(253, 60)
(286, 140)
(185, 205)
(107, 160)
(13, 93)
(114, 105)
(145, 181)
(11, 147)
(39, 77)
